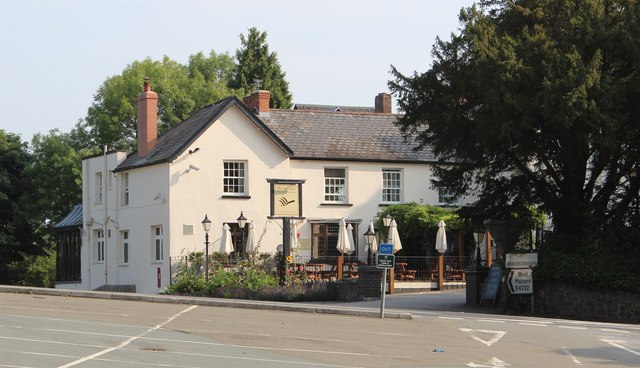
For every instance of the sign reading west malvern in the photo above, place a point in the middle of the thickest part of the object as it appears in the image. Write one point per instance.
(520, 281)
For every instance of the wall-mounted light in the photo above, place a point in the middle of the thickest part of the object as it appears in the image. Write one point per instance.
(192, 167)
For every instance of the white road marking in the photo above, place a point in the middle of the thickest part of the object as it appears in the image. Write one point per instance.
(573, 327)
(128, 341)
(490, 320)
(618, 344)
(50, 342)
(497, 335)
(613, 330)
(535, 324)
(454, 318)
(389, 334)
(573, 358)
(493, 362)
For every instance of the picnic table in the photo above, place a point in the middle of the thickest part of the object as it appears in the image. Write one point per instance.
(402, 272)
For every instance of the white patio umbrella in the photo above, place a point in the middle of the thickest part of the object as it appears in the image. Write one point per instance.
(226, 245)
(441, 237)
(441, 247)
(294, 239)
(374, 245)
(394, 236)
(352, 243)
(251, 239)
(343, 245)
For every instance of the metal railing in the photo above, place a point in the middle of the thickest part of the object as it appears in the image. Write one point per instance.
(421, 268)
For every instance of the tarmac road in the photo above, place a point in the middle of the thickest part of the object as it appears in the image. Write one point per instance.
(45, 330)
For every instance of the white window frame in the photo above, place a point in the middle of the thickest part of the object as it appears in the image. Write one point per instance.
(392, 186)
(124, 181)
(100, 245)
(125, 247)
(335, 187)
(235, 179)
(99, 187)
(447, 199)
(157, 248)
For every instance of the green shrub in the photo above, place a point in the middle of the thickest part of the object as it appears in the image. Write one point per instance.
(256, 279)
(609, 262)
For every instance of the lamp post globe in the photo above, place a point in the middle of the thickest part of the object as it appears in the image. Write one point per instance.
(242, 221)
(206, 226)
(369, 237)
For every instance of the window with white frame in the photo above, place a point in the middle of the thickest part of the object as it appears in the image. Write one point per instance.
(235, 178)
(391, 185)
(446, 197)
(124, 248)
(99, 245)
(335, 185)
(99, 187)
(124, 187)
(158, 243)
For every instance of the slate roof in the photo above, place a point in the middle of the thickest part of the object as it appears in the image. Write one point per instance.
(72, 219)
(343, 136)
(334, 108)
(171, 144)
(301, 134)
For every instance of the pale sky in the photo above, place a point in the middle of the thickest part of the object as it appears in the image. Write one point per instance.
(55, 54)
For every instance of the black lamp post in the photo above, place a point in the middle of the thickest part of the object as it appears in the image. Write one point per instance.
(241, 222)
(206, 225)
(386, 220)
(478, 235)
(369, 237)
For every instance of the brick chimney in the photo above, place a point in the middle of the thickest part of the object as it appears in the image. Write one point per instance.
(258, 101)
(383, 103)
(147, 119)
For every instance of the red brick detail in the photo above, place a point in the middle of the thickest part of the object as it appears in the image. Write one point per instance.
(258, 101)
(147, 125)
(383, 103)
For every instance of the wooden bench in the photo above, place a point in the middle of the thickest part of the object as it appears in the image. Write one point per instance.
(403, 273)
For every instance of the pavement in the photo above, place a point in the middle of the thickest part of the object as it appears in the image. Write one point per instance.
(399, 306)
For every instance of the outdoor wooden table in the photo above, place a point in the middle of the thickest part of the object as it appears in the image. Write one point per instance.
(313, 270)
(402, 272)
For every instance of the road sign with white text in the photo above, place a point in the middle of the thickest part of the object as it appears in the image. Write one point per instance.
(521, 260)
(520, 281)
(385, 249)
(385, 260)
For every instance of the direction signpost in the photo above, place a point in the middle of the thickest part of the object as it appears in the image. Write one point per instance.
(385, 259)
(520, 281)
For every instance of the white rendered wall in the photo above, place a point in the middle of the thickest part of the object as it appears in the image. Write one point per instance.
(364, 192)
(195, 193)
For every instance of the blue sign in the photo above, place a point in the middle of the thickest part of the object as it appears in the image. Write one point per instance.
(385, 249)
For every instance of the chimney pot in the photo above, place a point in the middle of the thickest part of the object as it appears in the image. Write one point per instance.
(383, 103)
(147, 124)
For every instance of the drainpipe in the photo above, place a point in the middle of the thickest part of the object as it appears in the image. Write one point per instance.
(105, 224)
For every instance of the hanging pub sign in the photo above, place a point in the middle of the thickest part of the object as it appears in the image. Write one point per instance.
(286, 197)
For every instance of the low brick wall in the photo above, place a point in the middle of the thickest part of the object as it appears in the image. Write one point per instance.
(567, 301)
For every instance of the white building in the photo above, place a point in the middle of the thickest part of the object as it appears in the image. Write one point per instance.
(143, 211)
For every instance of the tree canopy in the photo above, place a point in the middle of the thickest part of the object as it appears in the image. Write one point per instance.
(111, 119)
(535, 103)
(259, 68)
(17, 225)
